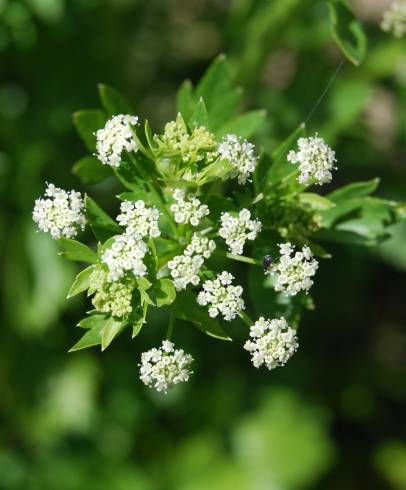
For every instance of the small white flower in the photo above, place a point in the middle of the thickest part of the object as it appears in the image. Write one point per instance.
(165, 367)
(125, 255)
(240, 153)
(139, 219)
(295, 270)
(188, 209)
(59, 212)
(114, 138)
(222, 297)
(394, 19)
(185, 268)
(316, 160)
(273, 343)
(237, 230)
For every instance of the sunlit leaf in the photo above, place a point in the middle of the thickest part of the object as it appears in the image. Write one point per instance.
(87, 122)
(74, 250)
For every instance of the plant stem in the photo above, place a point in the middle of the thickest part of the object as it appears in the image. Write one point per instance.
(171, 325)
(245, 318)
(239, 258)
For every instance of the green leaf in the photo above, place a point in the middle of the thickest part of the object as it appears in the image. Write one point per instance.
(128, 176)
(143, 286)
(73, 250)
(87, 122)
(100, 222)
(164, 292)
(113, 102)
(199, 116)
(185, 100)
(81, 283)
(244, 125)
(347, 32)
(219, 93)
(185, 307)
(111, 329)
(92, 321)
(315, 201)
(219, 169)
(351, 191)
(92, 336)
(90, 170)
(140, 321)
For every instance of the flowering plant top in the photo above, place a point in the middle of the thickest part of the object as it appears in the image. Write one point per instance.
(199, 198)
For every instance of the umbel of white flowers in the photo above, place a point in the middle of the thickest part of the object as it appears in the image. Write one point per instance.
(188, 209)
(315, 159)
(60, 213)
(222, 297)
(237, 230)
(273, 343)
(240, 153)
(138, 219)
(394, 19)
(116, 137)
(295, 270)
(164, 367)
(185, 268)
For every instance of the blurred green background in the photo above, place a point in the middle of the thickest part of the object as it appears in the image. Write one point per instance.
(334, 417)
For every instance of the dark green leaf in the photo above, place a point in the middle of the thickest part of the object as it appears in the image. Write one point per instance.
(113, 102)
(347, 32)
(73, 250)
(102, 225)
(164, 292)
(81, 282)
(90, 170)
(140, 320)
(185, 307)
(244, 125)
(87, 122)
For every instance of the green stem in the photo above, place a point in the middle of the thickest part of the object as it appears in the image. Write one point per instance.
(245, 318)
(170, 328)
(239, 258)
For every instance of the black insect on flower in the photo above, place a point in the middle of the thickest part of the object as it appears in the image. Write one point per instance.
(267, 262)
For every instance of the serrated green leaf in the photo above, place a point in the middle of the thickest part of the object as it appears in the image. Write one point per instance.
(143, 286)
(87, 122)
(164, 292)
(77, 251)
(244, 125)
(91, 337)
(185, 100)
(90, 170)
(185, 307)
(92, 321)
(100, 222)
(113, 102)
(347, 31)
(81, 282)
(351, 191)
(111, 329)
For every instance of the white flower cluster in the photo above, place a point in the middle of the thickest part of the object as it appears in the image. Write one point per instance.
(273, 344)
(394, 19)
(316, 160)
(237, 230)
(185, 268)
(188, 210)
(114, 138)
(240, 153)
(125, 255)
(222, 296)
(164, 367)
(139, 219)
(59, 212)
(294, 269)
